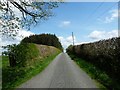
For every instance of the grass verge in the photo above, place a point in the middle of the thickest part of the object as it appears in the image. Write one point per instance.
(103, 81)
(14, 76)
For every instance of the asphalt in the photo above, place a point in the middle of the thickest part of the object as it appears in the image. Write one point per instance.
(62, 72)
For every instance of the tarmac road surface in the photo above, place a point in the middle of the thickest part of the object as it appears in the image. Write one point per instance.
(61, 73)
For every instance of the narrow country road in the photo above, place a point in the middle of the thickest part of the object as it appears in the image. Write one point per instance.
(61, 73)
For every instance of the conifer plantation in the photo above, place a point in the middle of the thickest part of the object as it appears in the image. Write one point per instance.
(44, 39)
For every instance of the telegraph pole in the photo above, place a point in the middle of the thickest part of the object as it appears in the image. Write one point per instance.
(118, 19)
(73, 38)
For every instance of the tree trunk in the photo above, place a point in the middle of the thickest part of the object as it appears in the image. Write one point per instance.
(12, 60)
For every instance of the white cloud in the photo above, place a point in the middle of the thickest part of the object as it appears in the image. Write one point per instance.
(78, 43)
(8, 40)
(65, 23)
(94, 36)
(70, 39)
(66, 41)
(97, 35)
(113, 15)
(23, 33)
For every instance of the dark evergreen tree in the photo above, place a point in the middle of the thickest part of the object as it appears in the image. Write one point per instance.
(45, 39)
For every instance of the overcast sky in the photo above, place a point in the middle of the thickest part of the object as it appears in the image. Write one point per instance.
(89, 21)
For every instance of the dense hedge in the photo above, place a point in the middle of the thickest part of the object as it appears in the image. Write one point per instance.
(105, 54)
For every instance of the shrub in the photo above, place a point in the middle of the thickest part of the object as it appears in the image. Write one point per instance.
(23, 54)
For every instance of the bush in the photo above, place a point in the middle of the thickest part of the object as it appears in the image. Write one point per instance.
(23, 54)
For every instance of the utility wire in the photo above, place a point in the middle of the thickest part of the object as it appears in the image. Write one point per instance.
(107, 10)
(95, 10)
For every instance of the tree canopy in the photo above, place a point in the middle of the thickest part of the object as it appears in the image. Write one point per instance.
(45, 39)
(16, 14)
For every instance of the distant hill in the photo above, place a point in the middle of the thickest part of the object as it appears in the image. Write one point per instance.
(44, 39)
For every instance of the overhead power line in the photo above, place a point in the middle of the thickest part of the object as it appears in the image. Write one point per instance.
(95, 10)
(104, 12)
(107, 10)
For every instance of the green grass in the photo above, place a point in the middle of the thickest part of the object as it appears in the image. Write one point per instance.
(5, 63)
(14, 76)
(103, 81)
(40, 66)
(0, 72)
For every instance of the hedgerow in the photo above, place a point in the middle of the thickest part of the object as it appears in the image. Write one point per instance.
(105, 54)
